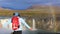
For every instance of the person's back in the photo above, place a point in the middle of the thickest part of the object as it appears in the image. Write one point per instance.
(15, 23)
(19, 22)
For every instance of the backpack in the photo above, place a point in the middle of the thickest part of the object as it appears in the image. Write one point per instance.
(15, 22)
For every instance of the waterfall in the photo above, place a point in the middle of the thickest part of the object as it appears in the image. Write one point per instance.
(34, 24)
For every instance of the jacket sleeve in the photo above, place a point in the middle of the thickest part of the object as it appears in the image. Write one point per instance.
(24, 23)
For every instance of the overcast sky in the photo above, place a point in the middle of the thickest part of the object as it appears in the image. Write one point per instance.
(24, 4)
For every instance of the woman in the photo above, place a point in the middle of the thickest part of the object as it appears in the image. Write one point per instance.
(21, 21)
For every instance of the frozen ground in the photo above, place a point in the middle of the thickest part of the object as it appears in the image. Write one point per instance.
(6, 31)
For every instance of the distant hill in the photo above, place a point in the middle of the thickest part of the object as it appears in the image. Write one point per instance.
(33, 10)
(4, 8)
(43, 7)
